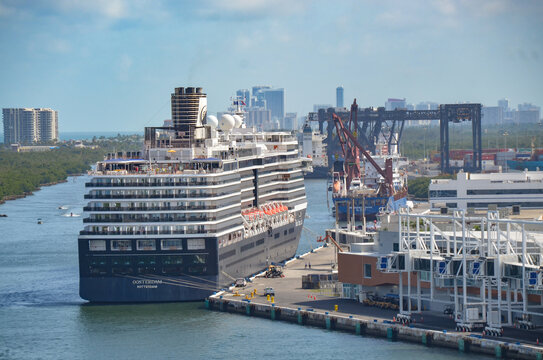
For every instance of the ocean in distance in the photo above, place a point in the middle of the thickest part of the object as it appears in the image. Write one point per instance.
(42, 316)
(86, 135)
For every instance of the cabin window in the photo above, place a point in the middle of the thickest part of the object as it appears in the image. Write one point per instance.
(121, 245)
(98, 266)
(196, 244)
(146, 245)
(121, 265)
(97, 245)
(146, 264)
(172, 244)
(172, 265)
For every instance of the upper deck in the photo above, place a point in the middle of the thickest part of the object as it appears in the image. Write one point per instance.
(219, 153)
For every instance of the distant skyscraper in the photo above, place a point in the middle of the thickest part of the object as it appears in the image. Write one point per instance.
(27, 125)
(290, 121)
(317, 107)
(426, 105)
(504, 104)
(527, 113)
(393, 104)
(258, 96)
(492, 115)
(339, 96)
(259, 118)
(275, 102)
(245, 96)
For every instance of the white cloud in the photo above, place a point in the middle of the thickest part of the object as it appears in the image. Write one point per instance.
(247, 9)
(445, 7)
(105, 9)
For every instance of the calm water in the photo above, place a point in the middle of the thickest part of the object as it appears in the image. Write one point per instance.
(42, 316)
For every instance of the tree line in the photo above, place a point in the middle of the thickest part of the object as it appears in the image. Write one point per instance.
(24, 172)
(421, 141)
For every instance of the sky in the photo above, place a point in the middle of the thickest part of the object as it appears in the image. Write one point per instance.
(111, 65)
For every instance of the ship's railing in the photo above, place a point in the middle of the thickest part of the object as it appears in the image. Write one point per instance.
(176, 183)
(169, 219)
(152, 208)
(154, 171)
(143, 232)
(158, 196)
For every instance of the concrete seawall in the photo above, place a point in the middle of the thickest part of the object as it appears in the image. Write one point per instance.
(378, 328)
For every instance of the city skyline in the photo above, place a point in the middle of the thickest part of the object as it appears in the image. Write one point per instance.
(120, 60)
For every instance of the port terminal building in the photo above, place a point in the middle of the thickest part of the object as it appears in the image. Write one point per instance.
(481, 191)
(484, 269)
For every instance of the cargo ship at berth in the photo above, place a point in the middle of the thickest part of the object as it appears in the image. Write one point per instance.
(364, 184)
(366, 193)
(205, 202)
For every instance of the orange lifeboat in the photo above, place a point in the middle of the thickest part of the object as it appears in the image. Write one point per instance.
(336, 186)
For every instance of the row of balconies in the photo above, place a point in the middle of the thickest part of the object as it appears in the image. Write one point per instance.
(152, 208)
(140, 219)
(156, 196)
(155, 184)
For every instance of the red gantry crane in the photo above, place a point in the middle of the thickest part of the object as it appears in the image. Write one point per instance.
(351, 151)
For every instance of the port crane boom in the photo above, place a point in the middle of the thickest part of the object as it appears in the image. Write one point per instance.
(351, 148)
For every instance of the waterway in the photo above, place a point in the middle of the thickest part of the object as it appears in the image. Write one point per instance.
(42, 316)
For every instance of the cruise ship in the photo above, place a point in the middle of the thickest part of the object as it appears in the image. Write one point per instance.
(314, 148)
(205, 202)
(479, 191)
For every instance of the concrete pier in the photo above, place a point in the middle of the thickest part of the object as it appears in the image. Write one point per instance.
(293, 304)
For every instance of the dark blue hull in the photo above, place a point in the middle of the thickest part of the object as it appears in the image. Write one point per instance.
(132, 284)
(155, 289)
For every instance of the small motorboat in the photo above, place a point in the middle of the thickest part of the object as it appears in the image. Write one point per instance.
(40, 221)
(3, 215)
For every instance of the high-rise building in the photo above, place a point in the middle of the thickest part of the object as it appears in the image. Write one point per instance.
(492, 115)
(393, 104)
(275, 102)
(317, 107)
(189, 110)
(28, 125)
(289, 123)
(258, 117)
(504, 104)
(244, 95)
(527, 113)
(258, 97)
(48, 125)
(339, 96)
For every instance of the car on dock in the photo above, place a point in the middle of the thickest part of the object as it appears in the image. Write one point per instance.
(241, 282)
(269, 291)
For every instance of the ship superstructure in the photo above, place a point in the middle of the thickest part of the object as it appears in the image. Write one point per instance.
(314, 147)
(206, 202)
